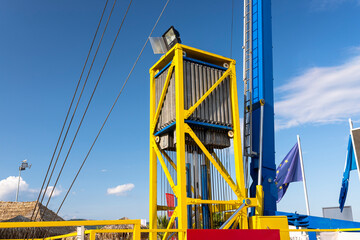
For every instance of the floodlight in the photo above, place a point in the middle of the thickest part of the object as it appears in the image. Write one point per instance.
(158, 45)
(171, 37)
(161, 45)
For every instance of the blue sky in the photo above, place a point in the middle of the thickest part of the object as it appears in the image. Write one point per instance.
(43, 47)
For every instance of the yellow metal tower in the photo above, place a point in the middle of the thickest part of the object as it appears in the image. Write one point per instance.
(173, 62)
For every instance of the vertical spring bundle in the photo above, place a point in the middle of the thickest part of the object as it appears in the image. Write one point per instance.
(203, 182)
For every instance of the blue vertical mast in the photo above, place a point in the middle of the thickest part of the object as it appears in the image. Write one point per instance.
(258, 84)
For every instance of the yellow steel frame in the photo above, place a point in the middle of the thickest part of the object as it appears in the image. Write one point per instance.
(175, 56)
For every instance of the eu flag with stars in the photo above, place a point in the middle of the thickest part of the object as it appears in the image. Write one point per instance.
(350, 164)
(289, 170)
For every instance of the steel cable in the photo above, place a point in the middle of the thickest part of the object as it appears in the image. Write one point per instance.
(67, 131)
(72, 101)
(112, 107)
(84, 114)
(89, 102)
(67, 115)
(64, 124)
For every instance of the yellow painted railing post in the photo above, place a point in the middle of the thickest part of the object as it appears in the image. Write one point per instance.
(153, 165)
(239, 167)
(136, 233)
(180, 141)
(92, 235)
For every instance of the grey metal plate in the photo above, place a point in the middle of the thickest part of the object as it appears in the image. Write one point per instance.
(335, 213)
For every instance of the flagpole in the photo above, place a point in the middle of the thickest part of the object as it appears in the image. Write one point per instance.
(303, 177)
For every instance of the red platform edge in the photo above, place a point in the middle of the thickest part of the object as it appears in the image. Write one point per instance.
(253, 234)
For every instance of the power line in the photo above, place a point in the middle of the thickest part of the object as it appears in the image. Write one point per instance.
(72, 101)
(72, 117)
(112, 107)
(66, 118)
(89, 102)
(67, 155)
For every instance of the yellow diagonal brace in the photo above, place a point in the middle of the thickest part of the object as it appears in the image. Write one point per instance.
(164, 167)
(226, 176)
(169, 159)
(170, 224)
(162, 97)
(193, 108)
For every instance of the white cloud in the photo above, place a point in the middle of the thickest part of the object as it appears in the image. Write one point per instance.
(103, 170)
(120, 190)
(8, 188)
(320, 95)
(56, 192)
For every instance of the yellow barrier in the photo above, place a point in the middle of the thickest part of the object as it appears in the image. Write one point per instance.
(92, 233)
(67, 223)
(136, 229)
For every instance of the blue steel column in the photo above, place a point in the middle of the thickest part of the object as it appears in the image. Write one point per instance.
(262, 73)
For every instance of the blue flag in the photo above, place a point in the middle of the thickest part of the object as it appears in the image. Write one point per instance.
(289, 170)
(350, 164)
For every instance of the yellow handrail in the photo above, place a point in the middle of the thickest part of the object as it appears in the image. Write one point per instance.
(67, 223)
(136, 229)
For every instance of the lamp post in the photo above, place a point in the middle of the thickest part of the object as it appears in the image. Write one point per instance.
(22, 167)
